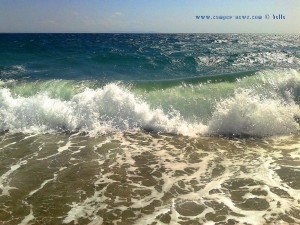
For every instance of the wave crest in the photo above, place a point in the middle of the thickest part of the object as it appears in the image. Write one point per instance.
(250, 114)
(107, 109)
(264, 104)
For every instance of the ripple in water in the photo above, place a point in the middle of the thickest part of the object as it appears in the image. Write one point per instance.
(144, 178)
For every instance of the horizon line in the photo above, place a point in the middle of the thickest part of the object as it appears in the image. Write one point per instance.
(137, 32)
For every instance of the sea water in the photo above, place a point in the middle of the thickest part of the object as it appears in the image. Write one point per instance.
(149, 129)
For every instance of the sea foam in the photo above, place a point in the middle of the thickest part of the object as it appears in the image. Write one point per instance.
(108, 109)
(249, 114)
(261, 105)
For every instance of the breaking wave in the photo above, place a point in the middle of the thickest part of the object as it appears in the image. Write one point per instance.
(263, 104)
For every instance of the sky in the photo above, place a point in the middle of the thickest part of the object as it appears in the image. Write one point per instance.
(161, 16)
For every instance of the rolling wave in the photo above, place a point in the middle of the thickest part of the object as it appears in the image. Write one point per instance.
(263, 104)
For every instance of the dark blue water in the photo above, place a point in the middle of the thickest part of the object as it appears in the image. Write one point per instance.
(129, 57)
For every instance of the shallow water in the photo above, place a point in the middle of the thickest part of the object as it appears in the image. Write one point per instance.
(146, 178)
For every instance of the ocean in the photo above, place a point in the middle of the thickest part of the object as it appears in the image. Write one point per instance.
(149, 129)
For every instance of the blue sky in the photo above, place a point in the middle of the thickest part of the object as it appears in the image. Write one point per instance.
(169, 16)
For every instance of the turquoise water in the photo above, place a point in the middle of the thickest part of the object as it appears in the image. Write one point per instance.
(149, 129)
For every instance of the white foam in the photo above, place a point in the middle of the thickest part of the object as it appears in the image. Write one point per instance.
(220, 41)
(43, 184)
(27, 218)
(255, 167)
(4, 179)
(266, 57)
(16, 69)
(210, 61)
(65, 147)
(261, 105)
(107, 109)
(251, 114)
